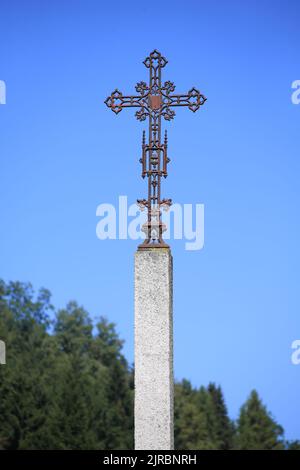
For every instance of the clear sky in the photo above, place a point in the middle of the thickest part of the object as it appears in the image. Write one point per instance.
(236, 302)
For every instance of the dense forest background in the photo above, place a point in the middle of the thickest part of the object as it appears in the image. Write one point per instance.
(67, 385)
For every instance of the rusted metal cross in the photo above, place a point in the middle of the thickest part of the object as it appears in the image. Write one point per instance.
(154, 101)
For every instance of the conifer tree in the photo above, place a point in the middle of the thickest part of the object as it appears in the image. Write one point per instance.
(224, 427)
(256, 428)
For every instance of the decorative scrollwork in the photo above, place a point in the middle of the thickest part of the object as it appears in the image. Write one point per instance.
(155, 101)
(168, 114)
(141, 114)
(155, 59)
(165, 204)
(114, 101)
(195, 99)
(169, 87)
(142, 203)
(142, 87)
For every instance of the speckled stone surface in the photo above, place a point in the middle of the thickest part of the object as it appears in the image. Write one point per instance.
(153, 407)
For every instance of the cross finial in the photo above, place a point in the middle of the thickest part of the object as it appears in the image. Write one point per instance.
(154, 101)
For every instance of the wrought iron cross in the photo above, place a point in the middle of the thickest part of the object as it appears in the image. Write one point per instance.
(154, 101)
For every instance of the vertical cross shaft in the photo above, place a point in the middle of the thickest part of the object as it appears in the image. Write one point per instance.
(154, 102)
(154, 159)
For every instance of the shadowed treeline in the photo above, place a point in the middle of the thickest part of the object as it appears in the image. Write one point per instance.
(67, 385)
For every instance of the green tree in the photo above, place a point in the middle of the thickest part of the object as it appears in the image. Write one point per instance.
(76, 395)
(66, 390)
(256, 428)
(190, 428)
(223, 426)
(25, 395)
(194, 418)
(107, 348)
(292, 445)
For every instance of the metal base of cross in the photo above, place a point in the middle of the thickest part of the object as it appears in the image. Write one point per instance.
(149, 245)
(153, 230)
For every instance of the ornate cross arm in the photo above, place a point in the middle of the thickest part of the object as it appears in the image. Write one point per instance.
(193, 100)
(117, 101)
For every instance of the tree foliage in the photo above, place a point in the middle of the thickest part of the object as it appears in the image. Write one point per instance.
(256, 428)
(67, 385)
(70, 389)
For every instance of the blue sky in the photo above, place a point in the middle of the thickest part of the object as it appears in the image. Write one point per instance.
(236, 302)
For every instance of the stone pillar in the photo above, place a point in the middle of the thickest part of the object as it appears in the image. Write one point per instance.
(153, 404)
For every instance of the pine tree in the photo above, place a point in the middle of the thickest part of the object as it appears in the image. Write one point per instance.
(224, 427)
(25, 395)
(191, 431)
(194, 418)
(256, 428)
(107, 348)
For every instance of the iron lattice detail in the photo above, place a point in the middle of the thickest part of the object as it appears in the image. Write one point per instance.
(154, 101)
